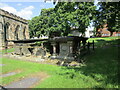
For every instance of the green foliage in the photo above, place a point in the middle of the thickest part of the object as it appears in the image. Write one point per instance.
(102, 41)
(109, 13)
(40, 43)
(62, 18)
(34, 26)
(70, 34)
(76, 14)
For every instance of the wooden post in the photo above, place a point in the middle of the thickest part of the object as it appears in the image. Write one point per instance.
(93, 45)
(88, 45)
(83, 44)
(79, 47)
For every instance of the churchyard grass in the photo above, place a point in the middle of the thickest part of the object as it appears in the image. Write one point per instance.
(102, 41)
(99, 70)
(8, 50)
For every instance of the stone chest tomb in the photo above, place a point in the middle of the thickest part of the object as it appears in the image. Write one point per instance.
(66, 47)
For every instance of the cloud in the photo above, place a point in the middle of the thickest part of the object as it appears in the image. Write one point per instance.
(3, 5)
(19, 4)
(8, 8)
(25, 13)
(42, 5)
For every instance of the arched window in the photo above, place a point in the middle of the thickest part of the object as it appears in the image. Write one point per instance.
(17, 32)
(6, 31)
(24, 33)
(1, 26)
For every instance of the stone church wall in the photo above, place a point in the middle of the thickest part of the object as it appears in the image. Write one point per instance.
(12, 27)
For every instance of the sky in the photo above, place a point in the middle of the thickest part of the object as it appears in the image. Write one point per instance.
(26, 10)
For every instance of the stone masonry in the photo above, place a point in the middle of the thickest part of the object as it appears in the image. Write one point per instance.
(12, 27)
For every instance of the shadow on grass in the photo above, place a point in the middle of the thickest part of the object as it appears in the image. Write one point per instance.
(102, 65)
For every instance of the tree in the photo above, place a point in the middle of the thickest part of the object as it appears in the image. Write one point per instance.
(63, 17)
(108, 13)
(34, 26)
(39, 25)
(76, 14)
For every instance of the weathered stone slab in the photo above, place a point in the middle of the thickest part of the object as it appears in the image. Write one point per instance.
(17, 50)
(25, 83)
(64, 49)
(26, 51)
(8, 74)
(39, 52)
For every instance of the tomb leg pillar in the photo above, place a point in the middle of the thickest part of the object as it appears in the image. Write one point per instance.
(70, 48)
(54, 49)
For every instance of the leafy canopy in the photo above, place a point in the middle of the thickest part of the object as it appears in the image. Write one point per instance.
(108, 13)
(62, 18)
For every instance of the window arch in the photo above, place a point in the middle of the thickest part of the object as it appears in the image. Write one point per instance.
(6, 30)
(1, 26)
(24, 33)
(17, 32)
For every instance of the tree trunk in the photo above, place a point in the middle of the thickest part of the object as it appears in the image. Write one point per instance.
(111, 33)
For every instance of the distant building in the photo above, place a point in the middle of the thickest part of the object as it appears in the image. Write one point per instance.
(116, 34)
(103, 32)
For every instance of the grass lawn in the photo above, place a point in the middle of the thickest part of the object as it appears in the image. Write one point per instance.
(8, 50)
(99, 71)
(102, 41)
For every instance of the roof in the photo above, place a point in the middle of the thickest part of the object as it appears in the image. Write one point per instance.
(11, 15)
